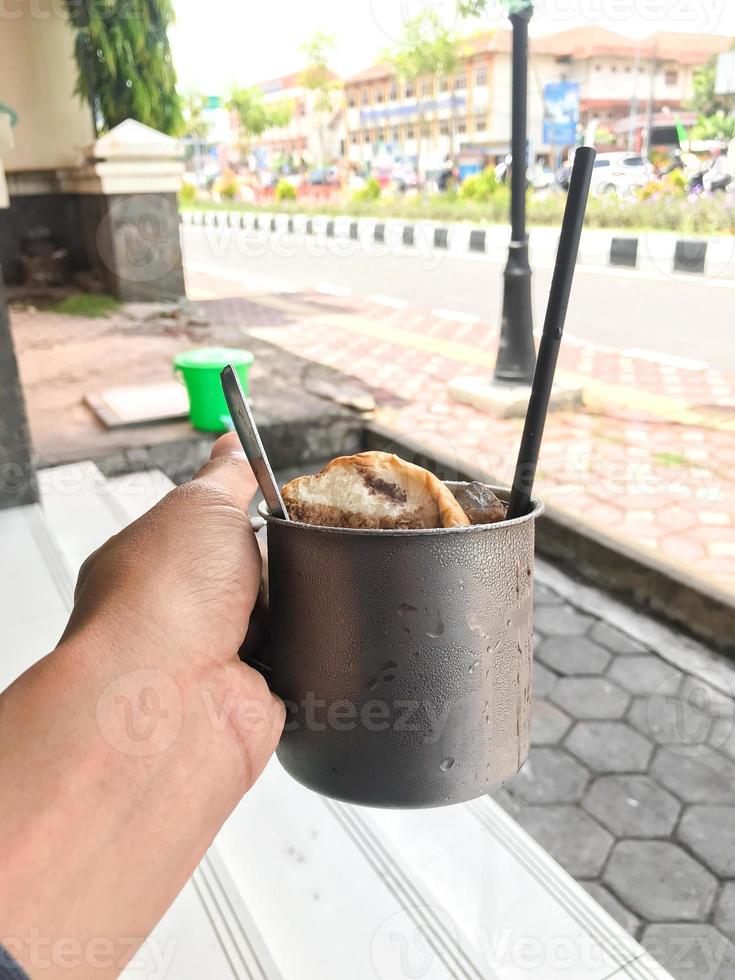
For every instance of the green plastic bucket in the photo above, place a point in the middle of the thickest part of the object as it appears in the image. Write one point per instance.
(200, 370)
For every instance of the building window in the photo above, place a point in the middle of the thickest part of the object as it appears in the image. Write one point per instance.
(379, 95)
(481, 76)
(351, 100)
(365, 96)
(443, 84)
(425, 129)
(355, 139)
(393, 93)
(461, 126)
(444, 127)
(460, 81)
(614, 69)
(396, 135)
(410, 91)
(480, 124)
(410, 132)
(671, 76)
(427, 88)
(598, 67)
(627, 69)
(380, 136)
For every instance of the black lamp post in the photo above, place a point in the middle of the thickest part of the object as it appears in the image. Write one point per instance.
(516, 352)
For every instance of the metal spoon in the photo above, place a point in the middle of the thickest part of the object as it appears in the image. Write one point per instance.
(247, 430)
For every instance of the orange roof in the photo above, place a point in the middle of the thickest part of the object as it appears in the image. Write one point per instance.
(579, 43)
(289, 81)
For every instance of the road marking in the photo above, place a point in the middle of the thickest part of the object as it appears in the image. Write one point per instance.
(595, 392)
(331, 289)
(393, 301)
(670, 360)
(456, 316)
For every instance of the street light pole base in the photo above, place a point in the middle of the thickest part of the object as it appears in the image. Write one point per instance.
(516, 353)
(510, 401)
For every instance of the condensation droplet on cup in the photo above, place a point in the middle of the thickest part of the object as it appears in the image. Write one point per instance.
(473, 666)
(446, 764)
(438, 629)
(405, 608)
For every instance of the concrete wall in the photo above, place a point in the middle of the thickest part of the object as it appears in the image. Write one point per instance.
(37, 79)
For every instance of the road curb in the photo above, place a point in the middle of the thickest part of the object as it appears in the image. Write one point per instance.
(658, 252)
(671, 594)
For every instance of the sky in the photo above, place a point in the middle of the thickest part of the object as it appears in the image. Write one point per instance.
(218, 43)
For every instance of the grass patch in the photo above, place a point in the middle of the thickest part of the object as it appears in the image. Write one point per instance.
(87, 304)
(672, 459)
(700, 216)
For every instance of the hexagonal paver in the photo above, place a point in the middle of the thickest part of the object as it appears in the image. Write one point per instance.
(690, 951)
(707, 777)
(543, 680)
(573, 655)
(708, 698)
(613, 640)
(609, 746)
(659, 881)
(591, 697)
(544, 596)
(725, 911)
(671, 720)
(570, 836)
(560, 620)
(710, 832)
(644, 674)
(616, 909)
(632, 806)
(549, 724)
(549, 776)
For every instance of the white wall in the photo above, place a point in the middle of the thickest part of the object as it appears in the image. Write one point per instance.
(37, 78)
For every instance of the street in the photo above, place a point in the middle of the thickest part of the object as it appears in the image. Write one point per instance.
(689, 319)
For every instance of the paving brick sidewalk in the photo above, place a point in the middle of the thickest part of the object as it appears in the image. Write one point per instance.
(650, 459)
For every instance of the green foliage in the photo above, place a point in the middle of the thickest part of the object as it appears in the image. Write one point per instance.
(318, 79)
(285, 191)
(125, 68)
(426, 47)
(705, 100)
(473, 8)
(370, 192)
(719, 126)
(479, 187)
(187, 194)
(86, 304)
(195, 124)
(227, 186)
(254, 115)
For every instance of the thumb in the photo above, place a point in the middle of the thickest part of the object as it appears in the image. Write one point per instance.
(228, 469)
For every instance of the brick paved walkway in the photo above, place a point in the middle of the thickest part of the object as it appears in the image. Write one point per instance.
(650, 459)
(630, 784)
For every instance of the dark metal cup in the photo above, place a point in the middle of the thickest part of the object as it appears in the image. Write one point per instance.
(404, 657)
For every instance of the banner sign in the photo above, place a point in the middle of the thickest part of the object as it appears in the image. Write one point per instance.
(561, 113)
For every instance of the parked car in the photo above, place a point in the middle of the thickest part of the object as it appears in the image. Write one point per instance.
(620, 173)
(324, 176)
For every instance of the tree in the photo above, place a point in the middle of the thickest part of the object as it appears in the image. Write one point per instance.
(705, 100)
(718, 126)
(254, 116)
(426, 48)
(318, 79)
(195, 124)
(125, 68)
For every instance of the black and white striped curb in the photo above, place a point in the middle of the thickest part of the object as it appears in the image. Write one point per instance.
(653, 252)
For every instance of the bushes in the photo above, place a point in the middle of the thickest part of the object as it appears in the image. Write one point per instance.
(285, 191)
(227, 186)
(187, 194)
(479, 187)
(370, 192)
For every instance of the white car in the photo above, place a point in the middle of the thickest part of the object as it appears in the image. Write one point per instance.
(620, 173)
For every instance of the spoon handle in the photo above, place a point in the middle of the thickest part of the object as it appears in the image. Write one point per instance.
(247, 430)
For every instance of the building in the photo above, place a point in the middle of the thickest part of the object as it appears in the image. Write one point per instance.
(386, 117)
(313, 135)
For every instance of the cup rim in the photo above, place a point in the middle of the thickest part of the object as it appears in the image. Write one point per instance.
(537, 509)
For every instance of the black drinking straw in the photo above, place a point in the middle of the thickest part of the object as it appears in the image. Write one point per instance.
(556, 314)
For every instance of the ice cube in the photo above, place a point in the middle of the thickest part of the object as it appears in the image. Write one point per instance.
(480, 504)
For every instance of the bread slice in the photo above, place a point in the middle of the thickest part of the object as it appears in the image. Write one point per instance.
(373, 490)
